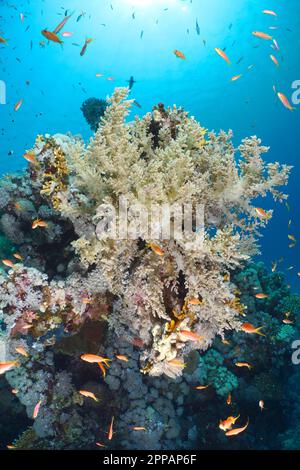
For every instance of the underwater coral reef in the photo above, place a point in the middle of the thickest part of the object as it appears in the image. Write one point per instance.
(98, 327)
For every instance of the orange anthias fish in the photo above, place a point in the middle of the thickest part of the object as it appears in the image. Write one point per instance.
(30, 157)
(88, 394)
(236, 431)
(67, 34)
(287, 321)
(157, 249)
(229, 399)
(236, 77)
(179, 54)
(261, 35)
(285, 101)
(60, 26)
(121, 357)
(262, 213)
(191, 336)
(2, 40)
(226, 342)
(269, 12)
(176, 363)
(6, 366)
(261, 295)
(93, 358)
(194, 301)
(21, 350)
(18, 105)
(110, 431)
(222, 54)
(18, 256)
(201, 387)
(87, 42)
(273, 58)
(228, 423)
(8, 263)
(51, 36)
(249, 328)
(243, 364)
(39, 223)
(36, 409)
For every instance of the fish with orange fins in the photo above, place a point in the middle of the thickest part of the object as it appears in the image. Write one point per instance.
(8, 263)
(285, 101)
(194, 301)
(156, 249)
(261, 35)
(30, 157)
(110, 430)
(269, 12)
(176, 363)
(87, 394)
(6, 366)
(84, 48)
(228, 423)
(18, 256)
(222, 54)
(229, 399)
(244, 364)
(286, 321)
(273, 58)
(39, 223)
(21, 350)
(179, 54)
(236, 77)
(67, 34)
(236, 431)
(36, 409)
(250, 329)
(191, 336)
(94, 358)
(18, 105)
(261, 295)
(60, 26)
(121, 357)
(51, 36)
(262, 213)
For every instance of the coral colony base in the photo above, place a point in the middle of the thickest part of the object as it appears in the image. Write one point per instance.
(141, 343)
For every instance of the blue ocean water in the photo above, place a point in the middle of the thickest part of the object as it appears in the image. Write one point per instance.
(136, 38)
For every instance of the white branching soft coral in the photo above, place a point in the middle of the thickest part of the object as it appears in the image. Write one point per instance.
(160, 287)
